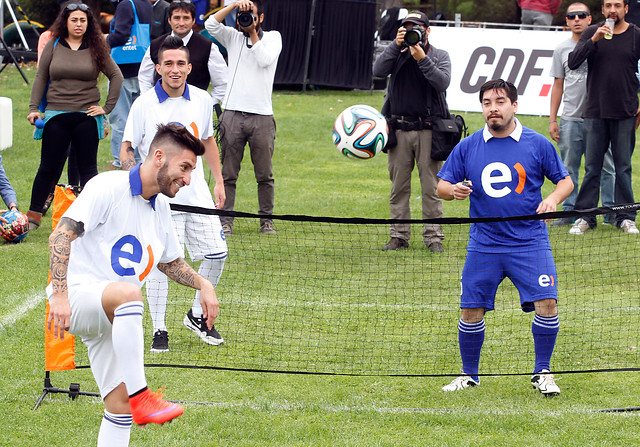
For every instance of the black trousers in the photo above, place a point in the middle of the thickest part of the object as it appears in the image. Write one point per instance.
(77, 129)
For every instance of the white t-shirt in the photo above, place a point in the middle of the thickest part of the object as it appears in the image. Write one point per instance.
(124, 235)
(194, 110)
(251, 69)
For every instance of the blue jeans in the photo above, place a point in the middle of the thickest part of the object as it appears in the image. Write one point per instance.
(118, 116)
(572, 147)
(599, 133)
(6, 190)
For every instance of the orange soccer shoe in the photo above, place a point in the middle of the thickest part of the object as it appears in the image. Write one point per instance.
(148, 407)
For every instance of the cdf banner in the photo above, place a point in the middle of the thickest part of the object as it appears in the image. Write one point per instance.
(522, 57)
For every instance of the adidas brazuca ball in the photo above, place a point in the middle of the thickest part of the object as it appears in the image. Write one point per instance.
(360, 131)
(17, 224)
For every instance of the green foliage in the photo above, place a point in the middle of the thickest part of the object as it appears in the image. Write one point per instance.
(45, 11)
(495, 11)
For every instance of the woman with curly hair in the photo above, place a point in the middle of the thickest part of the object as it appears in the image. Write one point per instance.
(67, 74)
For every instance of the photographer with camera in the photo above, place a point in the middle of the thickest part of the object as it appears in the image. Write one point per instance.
(248, 111)
(420, 75)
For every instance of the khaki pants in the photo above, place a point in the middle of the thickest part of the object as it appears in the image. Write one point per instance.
(414, 148)
(238, 129)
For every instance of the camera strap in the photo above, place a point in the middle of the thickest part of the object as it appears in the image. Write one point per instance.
(248, 38)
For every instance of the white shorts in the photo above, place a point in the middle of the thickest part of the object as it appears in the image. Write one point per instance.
(90, 323)
(201, 233)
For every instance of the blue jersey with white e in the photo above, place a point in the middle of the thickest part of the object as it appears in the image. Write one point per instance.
(507, 175)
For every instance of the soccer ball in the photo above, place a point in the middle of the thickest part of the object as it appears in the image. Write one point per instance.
(16, 227)
(360, 132)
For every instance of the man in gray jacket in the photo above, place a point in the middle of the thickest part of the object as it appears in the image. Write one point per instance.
(420, 75)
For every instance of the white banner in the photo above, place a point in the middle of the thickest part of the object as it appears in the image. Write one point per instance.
(519, 56)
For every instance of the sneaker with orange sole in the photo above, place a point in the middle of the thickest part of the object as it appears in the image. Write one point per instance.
(150, 408)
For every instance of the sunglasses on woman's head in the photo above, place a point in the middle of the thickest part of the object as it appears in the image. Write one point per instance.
(80, 6)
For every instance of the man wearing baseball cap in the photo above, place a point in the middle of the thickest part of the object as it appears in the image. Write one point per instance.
(420, 75)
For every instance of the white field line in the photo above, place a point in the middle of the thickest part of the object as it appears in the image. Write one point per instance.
(25, 303)
(299, 406)
(314, 304)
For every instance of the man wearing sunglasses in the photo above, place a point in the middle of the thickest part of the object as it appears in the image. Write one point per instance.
(611, 112)
(570, 89)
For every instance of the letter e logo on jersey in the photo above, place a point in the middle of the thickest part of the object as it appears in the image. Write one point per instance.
(546, 280)
(504, 176)
(127, 251)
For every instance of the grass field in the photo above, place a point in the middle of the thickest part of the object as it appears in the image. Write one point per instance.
(266, 409)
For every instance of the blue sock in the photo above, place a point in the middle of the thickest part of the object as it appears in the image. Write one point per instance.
(545, 330)
(471, 338)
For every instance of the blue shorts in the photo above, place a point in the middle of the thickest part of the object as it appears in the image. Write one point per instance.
(201, 10)
(533, 272)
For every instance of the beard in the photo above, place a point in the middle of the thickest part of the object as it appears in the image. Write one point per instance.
(164, 182)
(499, 126)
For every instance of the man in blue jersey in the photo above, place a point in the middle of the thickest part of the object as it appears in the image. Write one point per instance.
(501, 168)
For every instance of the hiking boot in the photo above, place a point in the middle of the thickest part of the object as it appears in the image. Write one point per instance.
(580, 226)
(35, 219)
(199, 326)
(148, 407)
(160, 341)
(396, 243)
(460, 383)
(629, 227)
(545, 383)
(47, 203)
(267, 228)
(227, 230)
(436, 247)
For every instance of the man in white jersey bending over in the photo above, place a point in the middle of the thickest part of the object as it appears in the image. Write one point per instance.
(172, 100)
(100, 254)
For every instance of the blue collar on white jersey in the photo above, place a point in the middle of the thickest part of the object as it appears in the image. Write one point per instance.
(136, 185)
(163, 96)
(516, 134)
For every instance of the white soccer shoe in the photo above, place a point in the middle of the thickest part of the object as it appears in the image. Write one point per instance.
(629, 227)
(460, 383)
(545, 383)
(580, 226)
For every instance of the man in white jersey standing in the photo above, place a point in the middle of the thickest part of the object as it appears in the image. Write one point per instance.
(173, 100)
(100, 253)
(248, 110)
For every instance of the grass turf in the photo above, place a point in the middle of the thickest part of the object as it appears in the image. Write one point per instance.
(274, 409)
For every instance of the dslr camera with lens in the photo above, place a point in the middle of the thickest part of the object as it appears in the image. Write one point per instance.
(415, 35)
(246, 18)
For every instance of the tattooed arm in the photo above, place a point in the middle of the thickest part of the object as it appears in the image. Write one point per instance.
(127, 156)
(59, 251)
(182, 273)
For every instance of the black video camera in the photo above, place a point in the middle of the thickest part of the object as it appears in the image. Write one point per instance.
(415, 35)
(246, 18)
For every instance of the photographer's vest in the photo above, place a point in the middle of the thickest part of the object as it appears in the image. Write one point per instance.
(199, 51)
(410, 94)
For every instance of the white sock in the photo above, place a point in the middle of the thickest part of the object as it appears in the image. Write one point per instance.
(128, 344)
(114, 430)
(157, 292)
(211, 268)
